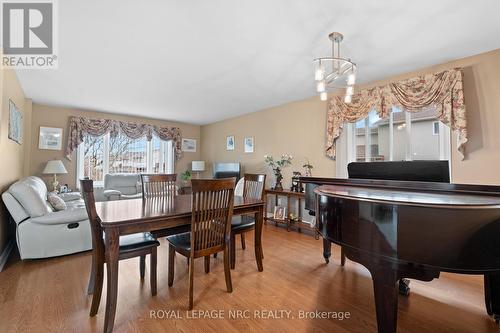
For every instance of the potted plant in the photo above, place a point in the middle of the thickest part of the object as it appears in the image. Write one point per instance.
(186, 177)
(277, 166)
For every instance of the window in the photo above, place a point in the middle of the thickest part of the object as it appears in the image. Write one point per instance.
(98, 156)
(435, 128)
(403, 136)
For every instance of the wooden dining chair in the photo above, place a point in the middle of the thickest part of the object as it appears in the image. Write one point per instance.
(158, 185)
(134, 245)
(212, 210)
(253, 187)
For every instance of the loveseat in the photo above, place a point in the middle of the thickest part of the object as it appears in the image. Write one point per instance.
(122, 186)
(41, 231)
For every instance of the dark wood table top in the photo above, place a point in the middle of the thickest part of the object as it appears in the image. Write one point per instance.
(120, 212)
(405, 197)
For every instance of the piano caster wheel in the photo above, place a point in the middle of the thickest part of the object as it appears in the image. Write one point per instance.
(404, 287)
(327, 260)
(496, 318)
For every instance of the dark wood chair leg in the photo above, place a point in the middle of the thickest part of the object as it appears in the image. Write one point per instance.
(171, 265)
(207, 264)
(90, 287)
(142, 266)
(152, 271)
(232, 251)
(97, 288)
(215, 255)
(243, 241)
(191, 280)
(227, 270)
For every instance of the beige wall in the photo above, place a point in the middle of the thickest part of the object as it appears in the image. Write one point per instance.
(298, 128)
(50, 116)
(13, 164)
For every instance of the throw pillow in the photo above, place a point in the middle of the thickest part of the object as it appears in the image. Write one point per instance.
(56, 202)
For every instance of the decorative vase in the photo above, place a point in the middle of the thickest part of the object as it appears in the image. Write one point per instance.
(279, 177)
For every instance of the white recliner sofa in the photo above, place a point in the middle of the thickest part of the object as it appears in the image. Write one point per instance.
(42, 232)
(122, 186)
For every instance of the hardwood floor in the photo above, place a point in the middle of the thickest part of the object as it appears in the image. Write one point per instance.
(50, 295)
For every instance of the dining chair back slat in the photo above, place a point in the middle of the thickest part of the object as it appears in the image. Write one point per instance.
(158, 185)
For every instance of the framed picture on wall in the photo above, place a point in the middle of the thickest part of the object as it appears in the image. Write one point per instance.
(279, 212)
(230, 142)
(50, 138)
(15, 123)
(249, 145)
(188, 145)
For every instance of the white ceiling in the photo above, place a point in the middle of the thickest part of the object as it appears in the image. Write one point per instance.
(203, 61)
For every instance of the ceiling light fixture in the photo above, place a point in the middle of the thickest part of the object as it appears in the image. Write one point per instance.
(335, 72)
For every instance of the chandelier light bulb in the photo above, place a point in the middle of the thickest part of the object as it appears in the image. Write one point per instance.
(351, 79)
(349, 91)
(348, 99)
(320, 86)
(323, 96)
(319, 75)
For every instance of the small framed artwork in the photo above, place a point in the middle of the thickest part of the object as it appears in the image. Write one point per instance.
(188, 145)
(50, 138)
(230, 142)
(15, 123)
(279, 212)
(249, 145)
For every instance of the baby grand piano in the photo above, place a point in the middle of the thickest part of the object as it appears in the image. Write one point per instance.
(409, 228)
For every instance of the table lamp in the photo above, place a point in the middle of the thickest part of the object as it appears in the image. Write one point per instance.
(198, 166)
(54, 167)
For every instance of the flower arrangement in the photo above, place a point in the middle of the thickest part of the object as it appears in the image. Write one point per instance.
(277, 166)
(308, 166)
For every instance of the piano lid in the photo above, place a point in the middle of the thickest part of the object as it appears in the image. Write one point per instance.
(413, 198)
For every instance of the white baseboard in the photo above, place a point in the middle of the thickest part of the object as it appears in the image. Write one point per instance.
(6, 253)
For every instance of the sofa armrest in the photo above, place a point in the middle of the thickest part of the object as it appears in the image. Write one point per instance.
(112, 194)
(70, 196)
(17, 211)
(61, 217)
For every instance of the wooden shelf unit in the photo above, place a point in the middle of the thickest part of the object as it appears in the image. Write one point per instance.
(289, 222)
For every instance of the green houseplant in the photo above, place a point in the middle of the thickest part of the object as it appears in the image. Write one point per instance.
(277, 166)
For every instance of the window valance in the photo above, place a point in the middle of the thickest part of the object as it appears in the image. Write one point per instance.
(443, 90)
(81, 126)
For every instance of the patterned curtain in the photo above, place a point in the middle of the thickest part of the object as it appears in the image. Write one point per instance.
(443, 90)
(81, 126)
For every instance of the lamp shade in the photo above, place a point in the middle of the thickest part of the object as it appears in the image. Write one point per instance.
(198, 165)
(54, 167)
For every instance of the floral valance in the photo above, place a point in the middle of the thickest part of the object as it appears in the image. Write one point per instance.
(443, 90)
(81, 126)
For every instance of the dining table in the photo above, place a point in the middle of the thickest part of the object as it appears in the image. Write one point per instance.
(157, 215)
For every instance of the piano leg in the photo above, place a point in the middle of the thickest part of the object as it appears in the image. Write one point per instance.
(492, 295)
(327, 250)
(342, 256)
(386, 298)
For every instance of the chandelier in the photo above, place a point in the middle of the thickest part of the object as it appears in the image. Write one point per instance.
(335, 72)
